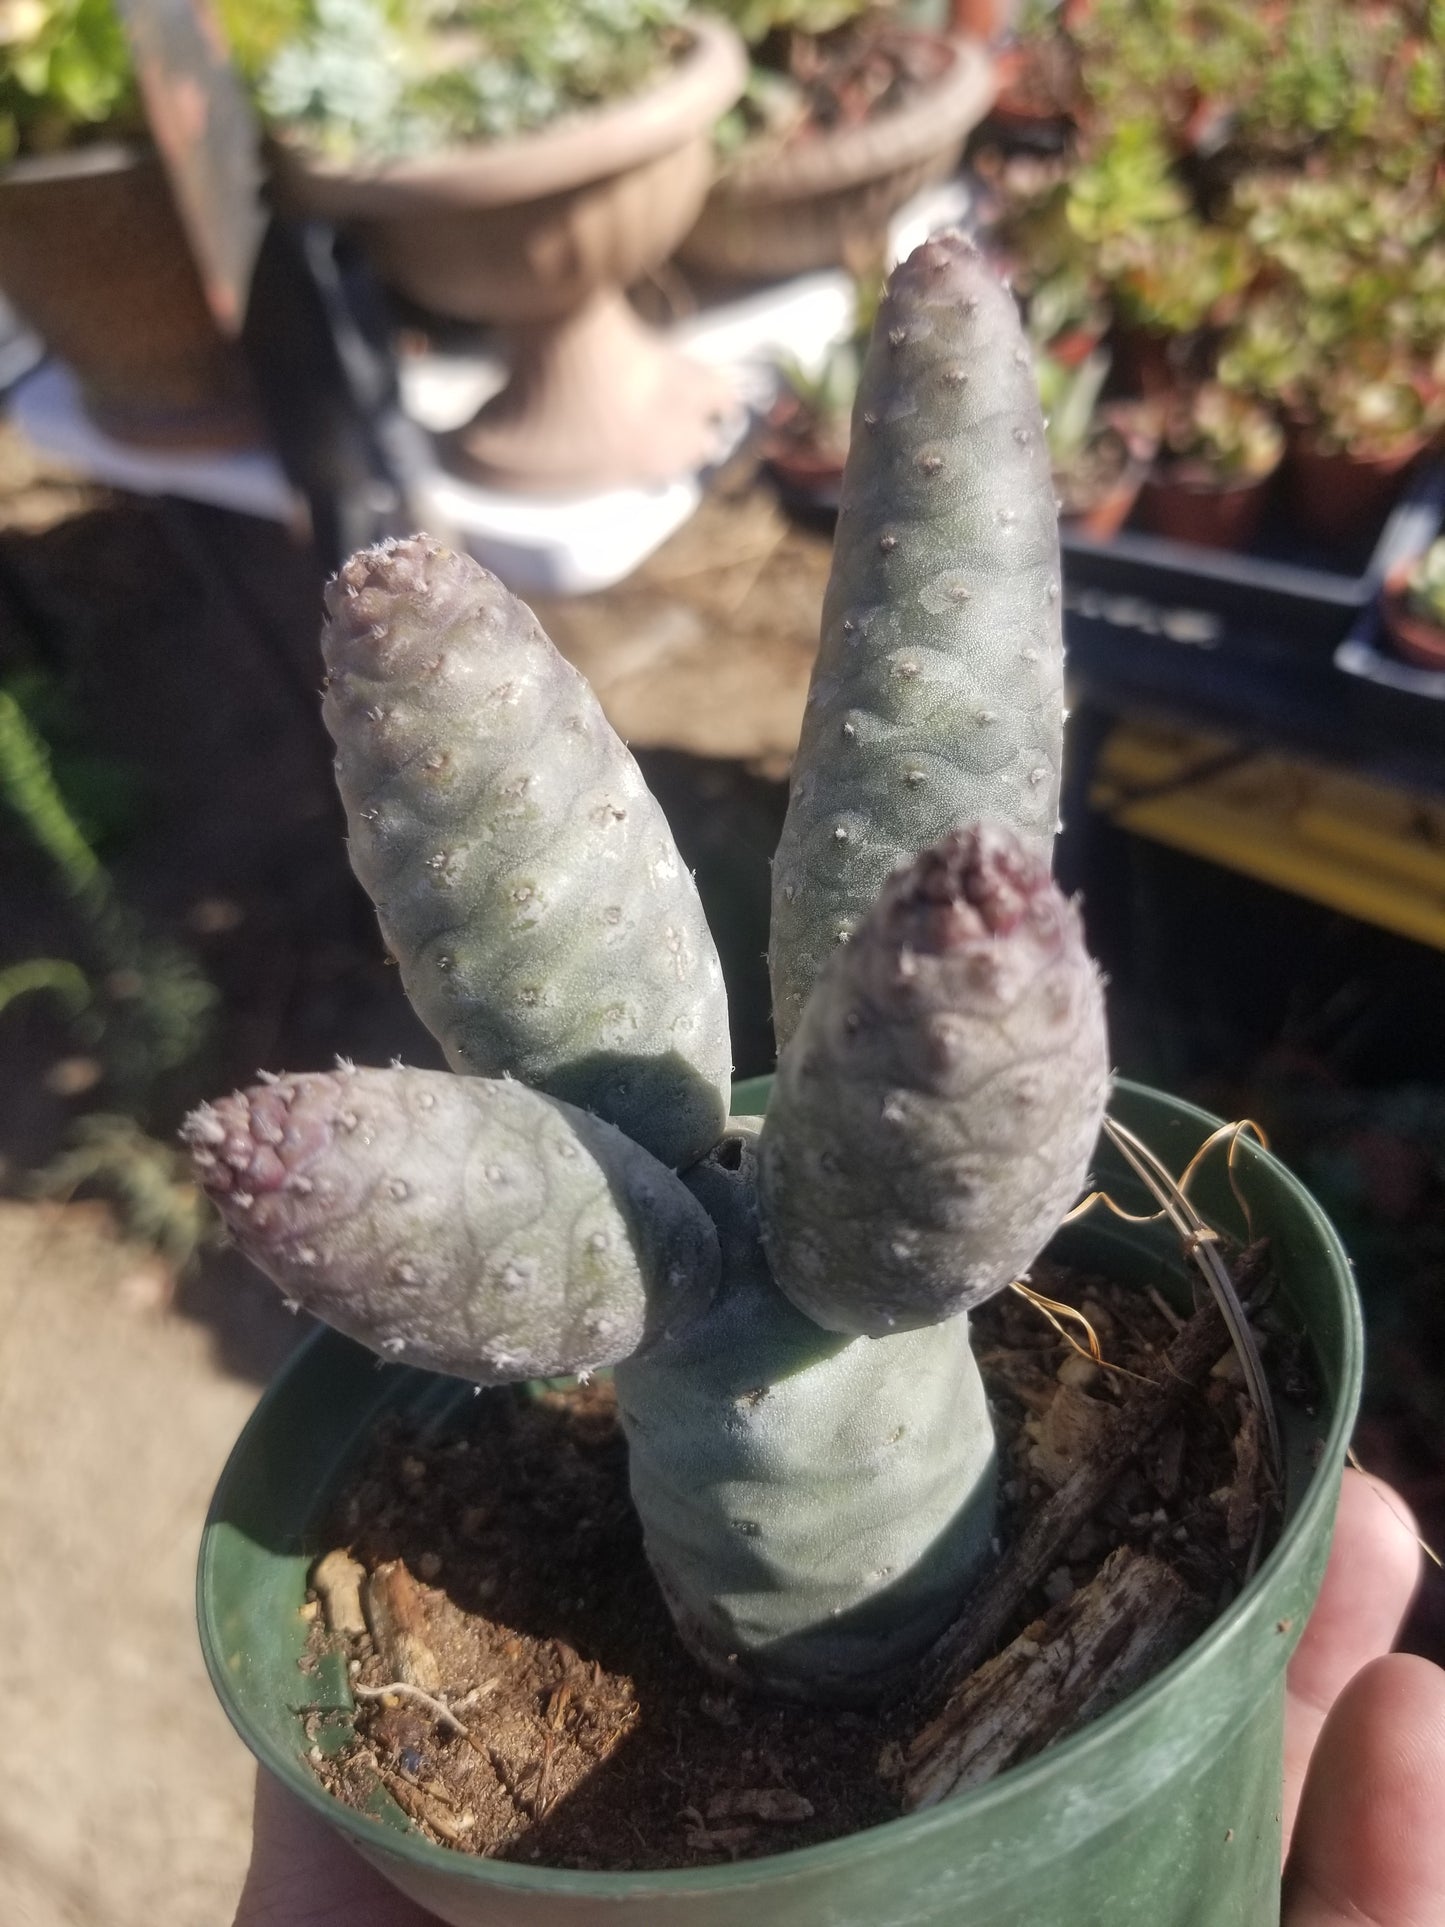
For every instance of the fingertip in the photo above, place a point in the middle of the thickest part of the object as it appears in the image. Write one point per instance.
(303, 1874)
(1379, 1523)
(1373, 1572)
(1369, 1844)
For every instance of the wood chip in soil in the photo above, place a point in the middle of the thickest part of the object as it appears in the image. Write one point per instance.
(546, 1711)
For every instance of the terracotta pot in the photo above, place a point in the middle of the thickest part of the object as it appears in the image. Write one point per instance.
(827, 201)
(1101, 511)
(1037, 95)
(1146, 361)
(1208, 515)
(808, 473)
(1413, 637)
(94, 258)
(986, 20)
(1101, 519)
(541, 234)
(1343, 497)
(1072, 348)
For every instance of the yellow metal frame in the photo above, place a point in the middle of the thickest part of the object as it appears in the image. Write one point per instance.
(1374, 853)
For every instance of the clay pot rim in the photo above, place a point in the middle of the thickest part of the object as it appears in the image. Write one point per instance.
(848, 157)
(1303, 445)
(1127, 479)
(1184, 478)
(572, 152)
(78, 163)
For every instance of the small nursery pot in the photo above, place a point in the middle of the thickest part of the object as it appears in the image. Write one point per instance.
(1209, 516)
(1339, 495)
(1414, 637)
(1163, 1813)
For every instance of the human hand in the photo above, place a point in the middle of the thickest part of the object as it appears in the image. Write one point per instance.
(1365, 1736)
(1364, 1788)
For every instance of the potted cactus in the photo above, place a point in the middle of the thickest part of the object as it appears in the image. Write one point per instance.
(1100, 454)
(1355, 434)
(1219, 450)
(813, 1460)
(1345, 341)
(806, 441)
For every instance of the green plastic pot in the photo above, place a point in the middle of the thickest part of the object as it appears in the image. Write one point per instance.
(1164, 1812)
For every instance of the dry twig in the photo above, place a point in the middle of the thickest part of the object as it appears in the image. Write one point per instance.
(1038, 1549)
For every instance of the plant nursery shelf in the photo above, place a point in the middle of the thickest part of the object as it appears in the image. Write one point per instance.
(1373, 853)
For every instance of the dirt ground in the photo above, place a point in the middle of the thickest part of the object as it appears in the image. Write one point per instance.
(124, 1797)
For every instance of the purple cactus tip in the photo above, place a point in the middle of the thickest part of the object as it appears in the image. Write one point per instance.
(253, 1143)
(978, 882)
(458, 1223)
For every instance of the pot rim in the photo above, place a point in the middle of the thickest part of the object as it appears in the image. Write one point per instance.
(1181, 479)
(942, 111)
(1067, 1761)
(79, 163)
(1303, 447)
(571, 152)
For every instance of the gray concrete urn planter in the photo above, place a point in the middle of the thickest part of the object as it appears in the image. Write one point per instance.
(541, 234)
(826, 201)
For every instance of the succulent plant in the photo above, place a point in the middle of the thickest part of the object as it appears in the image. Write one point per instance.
(1425, 584)
(1221, 437)
(378, 79)
(784, 1302)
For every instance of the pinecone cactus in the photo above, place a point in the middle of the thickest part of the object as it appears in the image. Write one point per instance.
(785, 1302)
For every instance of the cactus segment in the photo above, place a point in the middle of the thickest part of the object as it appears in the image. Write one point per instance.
(937, 697)
(526, 881)
(814, 1507)
(457, 1224)
(934, 1115)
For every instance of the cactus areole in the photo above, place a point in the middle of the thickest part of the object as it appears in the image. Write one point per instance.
(786, 1304)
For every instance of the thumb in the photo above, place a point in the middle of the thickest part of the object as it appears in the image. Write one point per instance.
(1369, 1844)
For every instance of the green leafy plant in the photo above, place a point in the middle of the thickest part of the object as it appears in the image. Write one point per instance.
(1218, 435)
(816, 408)
(1177, 279)
(1361, 259)
(1126, 187)
(1307, 76)
(755, 20)
(1157, 63)
(1371, 409)
(1268, 355)
(146, 1181)
(65, 76)
(1069, 397)
(1425, 585)
(142, 1001)
(784, 1302)
(374, 78)
(1066, 306)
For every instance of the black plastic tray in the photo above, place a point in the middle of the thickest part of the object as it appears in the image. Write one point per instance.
(1280, 598)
